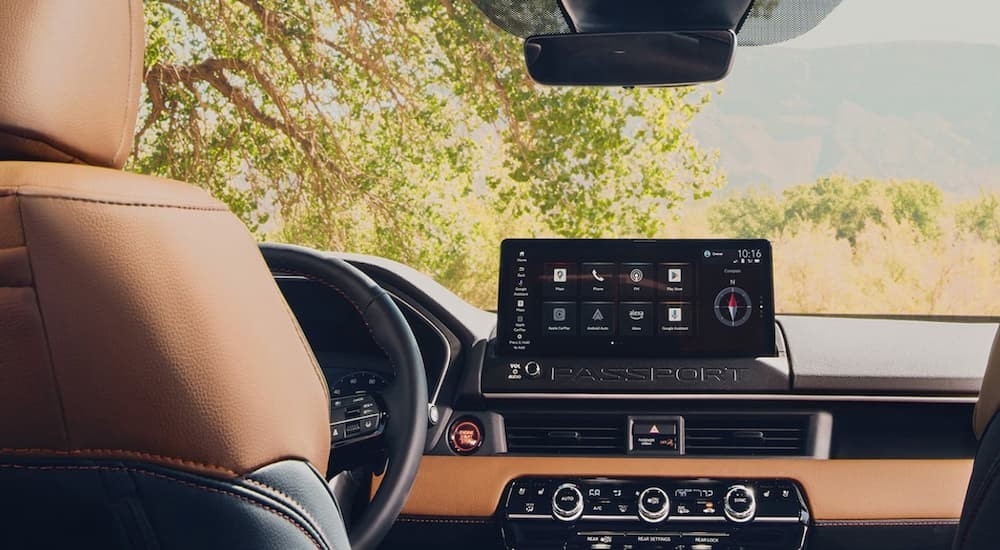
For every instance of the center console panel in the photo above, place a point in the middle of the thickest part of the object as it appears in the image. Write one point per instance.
(653, 513)
(621, 316)
(512, 377)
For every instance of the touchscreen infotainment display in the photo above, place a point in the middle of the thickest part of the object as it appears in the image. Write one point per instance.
(636, 298)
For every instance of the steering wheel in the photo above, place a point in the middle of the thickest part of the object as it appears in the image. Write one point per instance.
(405, 398)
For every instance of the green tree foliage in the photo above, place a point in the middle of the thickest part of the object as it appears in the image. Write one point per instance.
(844, 205)
(918, 203)
(403, 128)
(981, 217)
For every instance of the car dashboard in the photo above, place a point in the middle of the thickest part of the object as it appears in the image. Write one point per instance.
(855, 432)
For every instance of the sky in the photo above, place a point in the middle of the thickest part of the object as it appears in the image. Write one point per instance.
(872, 21)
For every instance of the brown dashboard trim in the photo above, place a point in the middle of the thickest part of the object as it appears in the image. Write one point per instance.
(896, 489)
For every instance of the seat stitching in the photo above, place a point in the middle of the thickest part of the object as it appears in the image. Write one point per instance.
(220, 208)
(45, 328)
(119, 453)
(277, 492)
(252, 502)
(128, 87)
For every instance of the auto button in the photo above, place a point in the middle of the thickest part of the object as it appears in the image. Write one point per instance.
(567, 502)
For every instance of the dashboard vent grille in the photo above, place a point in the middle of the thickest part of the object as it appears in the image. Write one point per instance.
(746, 434)
(578, 435)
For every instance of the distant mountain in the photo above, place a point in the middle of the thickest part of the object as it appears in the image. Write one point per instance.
(900, 110)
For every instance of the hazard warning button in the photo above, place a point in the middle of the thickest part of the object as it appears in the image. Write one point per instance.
(655, 436)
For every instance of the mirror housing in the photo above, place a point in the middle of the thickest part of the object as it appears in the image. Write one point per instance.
(660, 58)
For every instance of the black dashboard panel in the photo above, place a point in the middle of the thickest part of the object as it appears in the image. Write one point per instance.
(896, 356)
(888, 389)
(343, 345)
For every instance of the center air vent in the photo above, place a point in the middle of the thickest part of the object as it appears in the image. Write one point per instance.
(578, 435)
(747, 434)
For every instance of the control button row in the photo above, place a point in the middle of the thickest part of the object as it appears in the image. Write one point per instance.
(739, 502)
(777, 500)
(627, 280)
(353, 406)
(603, 540)
(350, 429)
(621, 318)
(529, 498)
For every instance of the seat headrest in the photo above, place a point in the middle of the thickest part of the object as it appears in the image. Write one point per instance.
(69, 80)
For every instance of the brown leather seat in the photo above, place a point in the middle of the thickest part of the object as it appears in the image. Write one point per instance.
(152, 379)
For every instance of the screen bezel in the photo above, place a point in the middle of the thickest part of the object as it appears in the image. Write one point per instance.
(654, 251)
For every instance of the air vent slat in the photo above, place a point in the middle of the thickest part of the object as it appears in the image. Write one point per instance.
(746, 434)
(576, 435)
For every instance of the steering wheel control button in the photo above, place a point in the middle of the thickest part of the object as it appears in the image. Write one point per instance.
(654, 505)
(337, 432)
(353, 417)
(532, 369)
(369, 425)
(740, 504)
(567, 502)
(465, 436)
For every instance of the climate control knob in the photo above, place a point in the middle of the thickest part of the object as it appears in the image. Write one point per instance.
(654, 505)
(567, 502)
(740, 504)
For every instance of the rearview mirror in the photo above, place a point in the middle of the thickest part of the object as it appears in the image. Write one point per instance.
(664, 58)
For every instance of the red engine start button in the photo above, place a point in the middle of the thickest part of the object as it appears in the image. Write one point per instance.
(466, 436)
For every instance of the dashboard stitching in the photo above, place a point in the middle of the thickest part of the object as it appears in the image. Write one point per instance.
(886, 522)
(118, 453)
(446, 520)
(264, 506)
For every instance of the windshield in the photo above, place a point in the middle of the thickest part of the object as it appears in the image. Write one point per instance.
(867, 150)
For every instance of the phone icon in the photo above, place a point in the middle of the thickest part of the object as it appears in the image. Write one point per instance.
(597, 276)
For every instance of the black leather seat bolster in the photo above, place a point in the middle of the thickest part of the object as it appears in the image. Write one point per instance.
(980, 527)
(68, 502)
